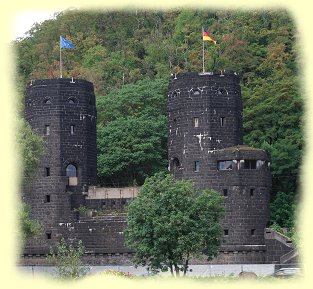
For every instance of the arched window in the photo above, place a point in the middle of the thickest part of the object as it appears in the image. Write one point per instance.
(222, 91)
(72, 100)
(47, 101)
(71, 171)
(175, 163)
(196, 92)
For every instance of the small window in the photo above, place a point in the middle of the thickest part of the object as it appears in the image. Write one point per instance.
(251, 192)
(47, 171)
(71, 100)
(47, 130)
(47, 199)
(47, 101)
(222, 91)
(249, 164)
(48, 235)
(197, 166)
(71, 171)
(196, 121)
(222, 120)
(175, 163)
(226, 233)
(252, 232)
(225, 165)
(196, 92)
(259, 164)
(72, 129)
(225, 192)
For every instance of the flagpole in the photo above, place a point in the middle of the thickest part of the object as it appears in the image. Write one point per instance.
(202, 51)
(60, 60)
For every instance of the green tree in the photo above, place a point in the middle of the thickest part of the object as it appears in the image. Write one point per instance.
(30, 146)
(170, 222)
(28, 227)
(283, 209)
(68, 260)
(31, 149)
(132, 133)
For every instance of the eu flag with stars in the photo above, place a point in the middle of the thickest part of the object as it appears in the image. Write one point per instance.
(64, 43)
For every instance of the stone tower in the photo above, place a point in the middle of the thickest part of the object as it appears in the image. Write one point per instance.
(206, 146)
(63, 112)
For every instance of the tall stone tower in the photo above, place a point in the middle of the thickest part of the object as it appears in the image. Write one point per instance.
(206, 146)
(63, 112)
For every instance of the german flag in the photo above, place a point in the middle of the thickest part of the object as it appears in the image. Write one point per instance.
(208, 37)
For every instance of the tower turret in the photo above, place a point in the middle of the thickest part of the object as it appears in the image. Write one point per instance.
(205, 145)
(63, 112)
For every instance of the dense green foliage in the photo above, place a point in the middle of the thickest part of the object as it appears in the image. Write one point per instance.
(31, 148)
(132, 131)
(28, 227)
(283, 209)
(68, 260)
(169, 222)
(116, 49)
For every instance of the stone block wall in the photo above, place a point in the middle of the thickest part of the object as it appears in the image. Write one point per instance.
(63, 112)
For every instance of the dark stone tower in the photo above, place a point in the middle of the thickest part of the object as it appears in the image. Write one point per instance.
(205, 146)
(63, 112)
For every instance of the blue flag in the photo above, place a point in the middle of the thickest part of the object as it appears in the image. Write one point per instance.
(64, 43)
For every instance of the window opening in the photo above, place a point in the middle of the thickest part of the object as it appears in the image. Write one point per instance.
(48, 235)
(196, 121)
(226, 233)
(249, 164)
(47, 130)
(259, 164)
(197, 166)
(71, 171)
(71, 100)
(252, 232)
(251, 192)
(225, 165)
(225, 192)
(221, 91)
(47, 171)
(196, 92)
(47, 101)
(222, 119)
(175, 163)
(48, 199)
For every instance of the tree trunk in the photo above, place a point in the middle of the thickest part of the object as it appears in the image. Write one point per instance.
(176, 270)
(186, 266)
(171, 268)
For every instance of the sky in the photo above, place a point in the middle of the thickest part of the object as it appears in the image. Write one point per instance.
(25, 20)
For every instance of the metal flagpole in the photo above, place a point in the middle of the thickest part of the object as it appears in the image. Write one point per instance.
(60, 60)
(202, 51)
